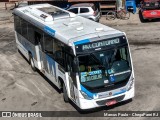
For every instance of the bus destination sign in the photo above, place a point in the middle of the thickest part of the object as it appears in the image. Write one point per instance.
(100, 44)
(92, 46)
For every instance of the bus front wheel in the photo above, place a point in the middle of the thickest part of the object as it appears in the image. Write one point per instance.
(32, 63)
(65, 96)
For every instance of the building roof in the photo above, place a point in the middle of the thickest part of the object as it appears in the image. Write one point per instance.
(83, 5)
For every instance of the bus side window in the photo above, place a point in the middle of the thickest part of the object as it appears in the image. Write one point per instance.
(17, 24)
(24, 27)
(58, 52)
(71, 68)
(48, 44)
(72, 65)
(69, 63)
(31, 33)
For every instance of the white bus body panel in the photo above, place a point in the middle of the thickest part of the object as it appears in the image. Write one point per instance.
(75, 28)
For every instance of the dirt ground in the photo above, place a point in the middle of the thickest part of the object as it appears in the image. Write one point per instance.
(21, 89)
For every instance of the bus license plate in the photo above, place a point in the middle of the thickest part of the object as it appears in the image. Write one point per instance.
(112, 102)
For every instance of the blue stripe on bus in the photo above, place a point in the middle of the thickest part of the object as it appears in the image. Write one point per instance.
(117, 93)
(91, 95)
(49, 30)
(82, 42)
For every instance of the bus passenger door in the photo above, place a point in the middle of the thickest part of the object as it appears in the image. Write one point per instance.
(71, 77)
(39, 48)
(44, 51)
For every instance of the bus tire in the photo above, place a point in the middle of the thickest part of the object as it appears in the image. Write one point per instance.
(65, 95)
(32, 62)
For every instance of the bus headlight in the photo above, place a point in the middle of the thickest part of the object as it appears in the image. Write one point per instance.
(85, 95)
(131, 84)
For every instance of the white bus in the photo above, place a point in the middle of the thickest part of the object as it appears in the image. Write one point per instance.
(90, 62)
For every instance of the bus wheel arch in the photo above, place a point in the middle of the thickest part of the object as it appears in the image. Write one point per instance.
(31, 61)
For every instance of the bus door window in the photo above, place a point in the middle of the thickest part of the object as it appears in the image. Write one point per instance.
(71, 67)
(39, 40)
(48, 44)
(48, 53)
(72, 74)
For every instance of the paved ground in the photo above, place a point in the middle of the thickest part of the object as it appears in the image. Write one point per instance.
(22, 89)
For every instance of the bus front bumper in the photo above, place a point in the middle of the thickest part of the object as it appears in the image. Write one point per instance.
(89, 104)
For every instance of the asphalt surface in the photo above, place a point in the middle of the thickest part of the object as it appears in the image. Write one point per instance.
(21, 89)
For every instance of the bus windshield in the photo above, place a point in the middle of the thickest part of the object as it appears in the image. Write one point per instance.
(103, 68)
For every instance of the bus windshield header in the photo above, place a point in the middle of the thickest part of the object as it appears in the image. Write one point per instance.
(98, 45)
